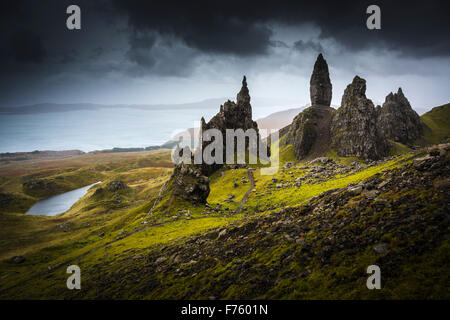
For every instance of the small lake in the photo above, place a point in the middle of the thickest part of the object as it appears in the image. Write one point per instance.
(60, 203)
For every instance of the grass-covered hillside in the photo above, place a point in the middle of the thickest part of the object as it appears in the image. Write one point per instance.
(308, 231)
(437, 124)
(22, 183)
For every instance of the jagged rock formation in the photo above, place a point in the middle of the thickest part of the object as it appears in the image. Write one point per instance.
(398, 121)
(320, 85)
(309, 130)
(191, 183)
(234, 115)
(231, 116)
(354, 129)
(357, 128)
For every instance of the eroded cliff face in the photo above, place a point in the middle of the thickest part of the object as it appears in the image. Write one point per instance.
(398, 121)
(354, 129)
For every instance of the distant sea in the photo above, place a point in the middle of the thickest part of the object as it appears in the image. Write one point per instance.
(97, 129)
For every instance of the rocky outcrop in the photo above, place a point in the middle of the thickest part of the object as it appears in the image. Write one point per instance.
(320, 85)
(309, 130)
(40, 188)
(231, 116)
(190, 184)
(354, 129)
(398, 121)
(116, 185)
(234, 115)
(357, 128)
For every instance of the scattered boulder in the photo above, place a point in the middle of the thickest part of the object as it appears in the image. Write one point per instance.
(322, 160)
(160, 260)
(372, 194)
(381, 248)
(355, 189)
(18, 259)
(222, 233)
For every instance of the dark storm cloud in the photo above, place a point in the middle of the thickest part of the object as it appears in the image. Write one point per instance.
(19, 42)
(157, 42)
(241, 27)
(210, 26)
(141, 44)
(305, 45)
(27, 46)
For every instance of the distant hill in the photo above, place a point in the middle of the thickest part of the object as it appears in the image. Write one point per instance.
(278, 120)
(212, 103)
(58, 107)
(437, 122)
(47, 154)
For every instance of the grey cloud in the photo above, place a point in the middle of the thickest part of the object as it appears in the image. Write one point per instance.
(309, 45)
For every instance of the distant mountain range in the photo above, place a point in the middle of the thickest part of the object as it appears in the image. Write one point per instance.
(213, 103)
(55, 107)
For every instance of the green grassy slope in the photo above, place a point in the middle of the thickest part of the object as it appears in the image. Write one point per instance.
(437, 123)
(316, 245)
(301, 234)
(22, 183)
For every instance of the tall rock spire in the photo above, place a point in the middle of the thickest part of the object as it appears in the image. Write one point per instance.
(320, 84)
(243, 97)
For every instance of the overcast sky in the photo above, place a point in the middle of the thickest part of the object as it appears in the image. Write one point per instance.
(144, 52)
